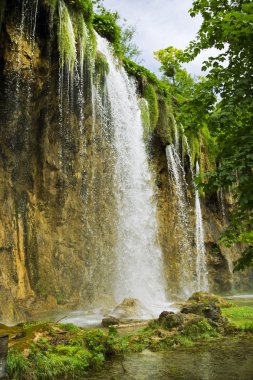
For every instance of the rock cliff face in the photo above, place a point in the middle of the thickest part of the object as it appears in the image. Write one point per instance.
(219, 258)
(56, 182)
(58, 216)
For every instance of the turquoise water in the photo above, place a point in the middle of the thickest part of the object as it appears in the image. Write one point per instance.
(226, 359)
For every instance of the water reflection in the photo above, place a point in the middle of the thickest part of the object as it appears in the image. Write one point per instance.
(229, 359)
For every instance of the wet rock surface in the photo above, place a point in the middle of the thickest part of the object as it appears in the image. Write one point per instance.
(131, 308)
(201, 306)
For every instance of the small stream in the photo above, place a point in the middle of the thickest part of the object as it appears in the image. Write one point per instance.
(226, 359)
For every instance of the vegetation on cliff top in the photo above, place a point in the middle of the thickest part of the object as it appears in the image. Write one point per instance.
(216, 110)
(222, 101)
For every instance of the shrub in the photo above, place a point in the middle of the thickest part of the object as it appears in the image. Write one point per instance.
(106, 26)
(83, 6)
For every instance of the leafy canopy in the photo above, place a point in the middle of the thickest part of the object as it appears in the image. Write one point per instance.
(228, 26)
(223, 101)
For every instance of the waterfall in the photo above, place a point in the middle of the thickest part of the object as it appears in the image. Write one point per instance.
(138, 258)
(201, 267)
(183, 224)
(193, 267)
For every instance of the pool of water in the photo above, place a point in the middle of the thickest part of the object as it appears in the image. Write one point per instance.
(226, 359)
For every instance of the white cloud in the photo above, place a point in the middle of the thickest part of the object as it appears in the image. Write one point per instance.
(159, 23)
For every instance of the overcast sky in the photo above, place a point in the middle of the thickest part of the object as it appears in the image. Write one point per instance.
(159, 24)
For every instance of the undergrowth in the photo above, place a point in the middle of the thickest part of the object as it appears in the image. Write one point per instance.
(241, 317)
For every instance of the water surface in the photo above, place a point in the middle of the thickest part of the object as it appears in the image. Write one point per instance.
(226, 359)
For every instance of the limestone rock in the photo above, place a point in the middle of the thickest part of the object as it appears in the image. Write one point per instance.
(131, 308)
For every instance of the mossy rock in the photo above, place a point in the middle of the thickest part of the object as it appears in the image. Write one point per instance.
(208, 298)
(169, 320)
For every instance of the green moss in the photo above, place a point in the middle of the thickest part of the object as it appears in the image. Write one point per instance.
(210, 144)
(66, 38)
(165, 124)
(149, 94)
(182, 340)
(144, 75)
(200, 330)
(240, 316)
(91, 44)
(194, 147)
(51, 3)
(70, 328)
(145, 118)
(101, 68)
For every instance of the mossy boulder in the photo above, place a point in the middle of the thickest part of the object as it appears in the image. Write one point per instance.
(110, 321)
(168, 319)
(208, 298)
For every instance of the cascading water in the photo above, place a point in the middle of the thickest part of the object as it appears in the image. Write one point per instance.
(139, 263)
(183, 225)
(192, 264)
(201, 266)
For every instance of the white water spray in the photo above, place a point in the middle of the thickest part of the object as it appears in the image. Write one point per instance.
(201, 267)
(139, 262)
(183, 224)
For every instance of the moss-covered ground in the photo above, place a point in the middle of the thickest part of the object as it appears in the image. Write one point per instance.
(51, 351)
(240, 316)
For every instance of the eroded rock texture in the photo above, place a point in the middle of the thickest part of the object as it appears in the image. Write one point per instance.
(57, 207)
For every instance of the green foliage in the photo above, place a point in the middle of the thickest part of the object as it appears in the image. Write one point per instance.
(106, 25)
(140, 72)
(182, 340)
(170, 61)
(101, 67)
(235, 172)
(240, 316)
(18, 367)
(226, 26)
(70, 328)
(129, 48)
(84, 7)
(149, 94)
(66, 38)
(200, 330)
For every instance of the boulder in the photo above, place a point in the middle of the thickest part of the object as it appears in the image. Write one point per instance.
(131, 308)
(110, 321)
(208, 298)
(168, 319)
(209, 311)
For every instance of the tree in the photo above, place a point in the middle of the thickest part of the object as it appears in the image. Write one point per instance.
(130, 49)
(228, 26)
(170, 59)
(107, 24)
(193, 97)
